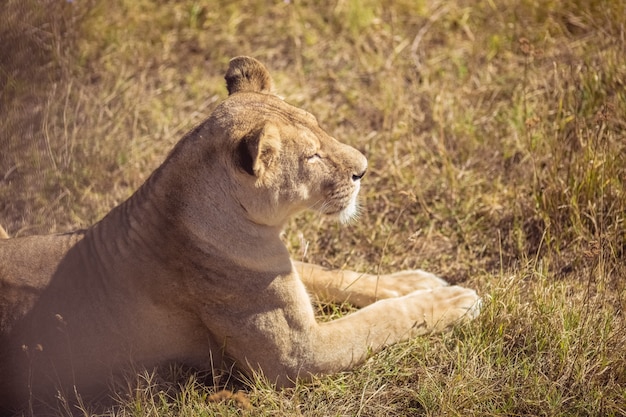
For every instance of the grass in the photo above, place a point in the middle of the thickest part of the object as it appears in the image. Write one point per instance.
(495, 133)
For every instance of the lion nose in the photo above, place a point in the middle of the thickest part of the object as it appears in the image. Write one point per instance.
(356, 177)
(358, 167)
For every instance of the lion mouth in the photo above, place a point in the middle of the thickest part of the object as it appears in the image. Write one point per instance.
(344, 209)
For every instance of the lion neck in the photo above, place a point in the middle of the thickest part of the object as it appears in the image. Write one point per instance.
(186, 213)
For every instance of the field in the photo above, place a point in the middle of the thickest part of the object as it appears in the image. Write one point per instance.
(496, 138)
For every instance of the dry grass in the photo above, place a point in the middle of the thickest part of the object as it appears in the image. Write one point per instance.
(496, 135)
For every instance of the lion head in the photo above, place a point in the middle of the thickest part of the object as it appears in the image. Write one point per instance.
(278, 158)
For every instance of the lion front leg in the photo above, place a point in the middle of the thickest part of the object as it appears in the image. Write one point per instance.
(287, 343)
(344, 343)
(391, 321)
(359, 289)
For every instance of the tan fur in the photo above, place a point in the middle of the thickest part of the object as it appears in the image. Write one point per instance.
(192, 269)
(240, 399)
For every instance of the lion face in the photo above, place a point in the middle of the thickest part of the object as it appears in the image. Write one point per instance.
(316, 171)
(282, 162)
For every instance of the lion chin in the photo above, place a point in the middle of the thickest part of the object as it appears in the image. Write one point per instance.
(351, 212)
(192, 268)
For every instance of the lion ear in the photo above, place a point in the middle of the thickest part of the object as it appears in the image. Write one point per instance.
(259, 151)
(247, 74)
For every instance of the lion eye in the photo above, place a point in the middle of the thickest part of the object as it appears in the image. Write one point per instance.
(314, 157)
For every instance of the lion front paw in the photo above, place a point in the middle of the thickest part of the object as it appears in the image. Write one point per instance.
(451, 305)
(405, 282)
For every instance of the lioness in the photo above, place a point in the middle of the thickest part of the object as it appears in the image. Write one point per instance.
(192, 268)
